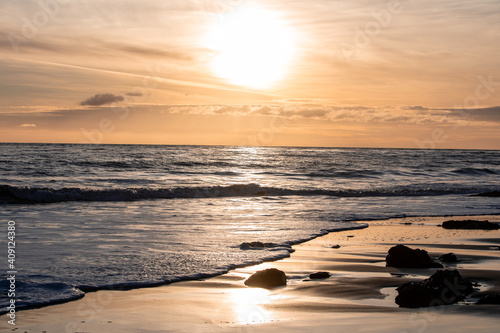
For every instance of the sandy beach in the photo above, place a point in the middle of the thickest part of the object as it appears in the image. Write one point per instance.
(358, 296)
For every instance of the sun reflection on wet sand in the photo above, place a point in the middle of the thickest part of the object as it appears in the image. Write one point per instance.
(247, 305)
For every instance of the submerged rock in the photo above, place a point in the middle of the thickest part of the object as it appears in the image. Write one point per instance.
(402, 256)
(319, 275)
(268, 278)
(449, 257)
(443, 288)
(256, 245)
(266, 246)
(470, 224)
(489, 299)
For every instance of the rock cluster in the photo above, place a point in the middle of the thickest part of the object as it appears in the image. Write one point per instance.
(443, 288)
(470, 224)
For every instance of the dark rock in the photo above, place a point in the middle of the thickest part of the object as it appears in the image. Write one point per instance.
(404, 257)
(449, 257)
(399, 275)
(319, 275)
(489, 299)
(470, 224)
(256, 245)
(443, 288)
(268, 278)
(336, 247)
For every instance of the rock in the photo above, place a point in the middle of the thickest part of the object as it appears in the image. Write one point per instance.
(268, 278)
(399, 275)
(470, 224)
(336, 247)
(449, 257)
(404, 257)
(443, 288)
(251, 245)
(489, 299)
(319, 275)
(256, 245)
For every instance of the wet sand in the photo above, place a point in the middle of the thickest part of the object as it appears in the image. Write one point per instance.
(358, 296)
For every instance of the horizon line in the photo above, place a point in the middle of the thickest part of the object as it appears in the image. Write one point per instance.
(235, 145)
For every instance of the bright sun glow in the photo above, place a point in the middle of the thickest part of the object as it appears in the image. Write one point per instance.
(247, 306)
(254, 47)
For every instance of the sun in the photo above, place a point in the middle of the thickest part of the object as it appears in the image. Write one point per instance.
(253, 47)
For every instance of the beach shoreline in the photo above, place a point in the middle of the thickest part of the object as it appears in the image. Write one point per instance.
(359, 294)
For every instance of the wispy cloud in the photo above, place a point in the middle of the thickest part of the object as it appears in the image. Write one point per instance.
(102, 99)
(27, 125)
(398, 114)
(134, 94)
(355, 114)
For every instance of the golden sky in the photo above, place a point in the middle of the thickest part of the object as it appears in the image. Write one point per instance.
(397, 73)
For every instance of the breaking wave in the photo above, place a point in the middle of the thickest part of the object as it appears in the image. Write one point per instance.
(32, 195)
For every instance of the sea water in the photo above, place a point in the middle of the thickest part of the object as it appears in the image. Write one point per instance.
(92, 217)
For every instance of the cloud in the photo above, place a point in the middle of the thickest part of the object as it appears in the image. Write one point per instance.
(134, 94)
(420, 115)
(338, 114)
(491, 114)
(102, 99)
(152, 52)
(416, 108)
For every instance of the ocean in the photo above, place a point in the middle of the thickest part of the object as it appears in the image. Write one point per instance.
(91, 217)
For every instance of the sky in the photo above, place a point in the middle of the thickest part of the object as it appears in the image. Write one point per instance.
(329, 73)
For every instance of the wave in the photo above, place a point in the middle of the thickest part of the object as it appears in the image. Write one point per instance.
(205, 164)
(32, 195)
(476, 171)
(116, 165)
(346, 174)
(143, 163)
(31, 295)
